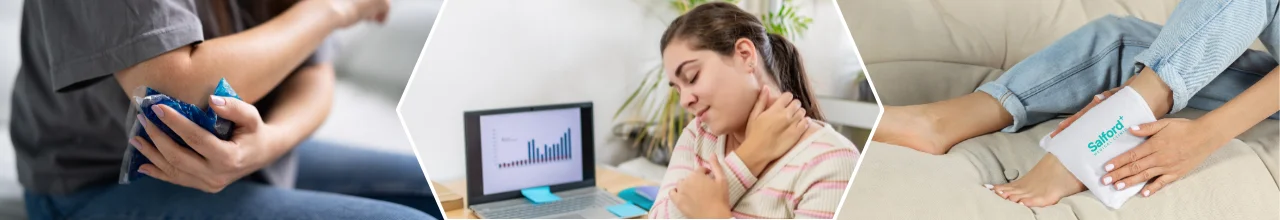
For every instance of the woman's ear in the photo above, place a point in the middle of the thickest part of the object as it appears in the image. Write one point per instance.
(744, 51)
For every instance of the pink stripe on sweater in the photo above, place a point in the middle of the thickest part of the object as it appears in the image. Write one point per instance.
(819, 159)
(781, 194)
(816, 214)
(742, 176)
(829, 184)
(833, 154)
(794, 168)
(684, 148)
(660, 209)
(820, 145)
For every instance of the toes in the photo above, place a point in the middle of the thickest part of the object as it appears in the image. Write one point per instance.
(1005, 191)
(1018, 197)
(1039, 201)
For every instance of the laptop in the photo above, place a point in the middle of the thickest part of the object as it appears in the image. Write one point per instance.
(539, 146)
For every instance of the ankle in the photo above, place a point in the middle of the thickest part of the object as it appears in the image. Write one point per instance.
(1159, 96)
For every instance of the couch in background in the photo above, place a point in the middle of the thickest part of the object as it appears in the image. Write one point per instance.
(920, 51)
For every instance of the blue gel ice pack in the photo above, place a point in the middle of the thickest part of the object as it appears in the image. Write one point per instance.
(205, 118)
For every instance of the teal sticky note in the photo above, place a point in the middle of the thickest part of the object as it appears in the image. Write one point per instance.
(633, 196)
(626, 210)
(539, 195)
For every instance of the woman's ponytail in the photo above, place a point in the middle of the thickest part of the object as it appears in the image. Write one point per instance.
(788, 71)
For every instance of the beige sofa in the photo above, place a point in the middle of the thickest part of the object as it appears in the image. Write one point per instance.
(920, 51)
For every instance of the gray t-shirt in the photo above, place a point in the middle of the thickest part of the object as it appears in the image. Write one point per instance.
(70, 115)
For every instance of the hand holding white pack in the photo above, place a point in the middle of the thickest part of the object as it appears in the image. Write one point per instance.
(1099, 135)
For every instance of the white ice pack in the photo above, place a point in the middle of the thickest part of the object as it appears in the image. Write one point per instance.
(1099, 135)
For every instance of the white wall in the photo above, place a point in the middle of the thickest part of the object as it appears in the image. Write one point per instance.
(831, 59)
(493, 54)
(10, 24)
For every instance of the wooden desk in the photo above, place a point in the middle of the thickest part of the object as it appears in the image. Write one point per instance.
(608, 179)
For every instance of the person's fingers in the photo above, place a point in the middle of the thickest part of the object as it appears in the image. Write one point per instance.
(155, 172)
(701, 168)
(1128, 164)
(1141, 176)
(1148, 129)
(677, 197)
(802, 122)
(1070, 120)
(1157, 184)
(793, 107)
(762, 100)
(176, 177)
(177, 156)
(1116, 168)
(717, 174)
(1109, 92)
(235, 110)
(799, 115)
(150, 152)
(199, 139)
(781, 101)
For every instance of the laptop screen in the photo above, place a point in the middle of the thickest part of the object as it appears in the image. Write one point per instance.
(531, 148)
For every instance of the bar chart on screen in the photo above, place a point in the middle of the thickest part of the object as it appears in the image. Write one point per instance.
(560, 150)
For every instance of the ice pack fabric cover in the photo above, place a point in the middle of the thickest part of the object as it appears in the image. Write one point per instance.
(205, 118)
(1099, 135)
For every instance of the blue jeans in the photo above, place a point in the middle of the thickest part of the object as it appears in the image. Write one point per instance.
(333, 182)
(1104, 54)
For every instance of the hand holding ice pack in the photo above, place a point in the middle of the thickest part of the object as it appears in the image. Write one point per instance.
(205, 118)
(1099, 135)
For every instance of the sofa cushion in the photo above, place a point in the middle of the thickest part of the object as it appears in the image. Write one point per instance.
(968, 36)
(1237, 182)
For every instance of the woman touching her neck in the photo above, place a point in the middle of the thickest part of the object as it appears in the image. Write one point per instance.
(757, 147)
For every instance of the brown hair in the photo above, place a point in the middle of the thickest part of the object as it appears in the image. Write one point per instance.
(717, 26)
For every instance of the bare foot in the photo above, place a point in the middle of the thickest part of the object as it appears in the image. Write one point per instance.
(1044, 185)
(911, 127)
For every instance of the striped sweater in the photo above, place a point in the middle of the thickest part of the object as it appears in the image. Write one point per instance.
(807, 182)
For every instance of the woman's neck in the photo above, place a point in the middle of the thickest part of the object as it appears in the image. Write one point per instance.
(735, 139)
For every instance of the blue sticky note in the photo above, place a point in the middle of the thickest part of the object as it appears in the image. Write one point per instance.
(626, 210)
(632, 195)
(539, 195)
(649, 192)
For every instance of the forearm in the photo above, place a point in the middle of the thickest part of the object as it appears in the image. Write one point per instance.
(1245, 110)
(254, 61)
(303, 102)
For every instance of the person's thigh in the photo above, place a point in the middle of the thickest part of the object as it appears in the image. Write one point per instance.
(148, 198)
(387, 176)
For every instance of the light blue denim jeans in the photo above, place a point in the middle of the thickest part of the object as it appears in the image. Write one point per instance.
(1202, 55)
(333, 182)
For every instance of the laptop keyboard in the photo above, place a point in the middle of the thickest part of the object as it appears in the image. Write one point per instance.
(565, 205)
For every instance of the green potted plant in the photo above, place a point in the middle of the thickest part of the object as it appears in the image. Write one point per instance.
(656, 115)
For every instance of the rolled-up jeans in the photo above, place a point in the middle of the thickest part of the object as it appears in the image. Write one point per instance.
(1062, 78)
